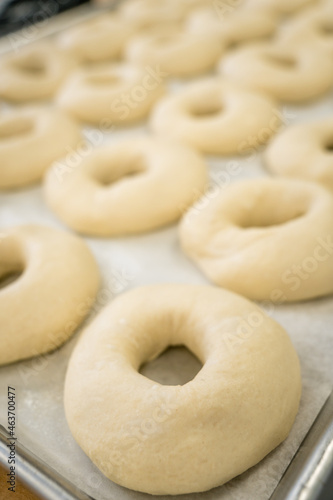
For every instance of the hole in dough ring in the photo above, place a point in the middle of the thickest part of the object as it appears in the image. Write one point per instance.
(98, 39)
(265, 239)
(127, 187)
(264, 67)
(30, 140)
(188, 438)
(33, 73)
(305, 151)
(216, 117)
(178, 51)
(58, 283)
(111, 93)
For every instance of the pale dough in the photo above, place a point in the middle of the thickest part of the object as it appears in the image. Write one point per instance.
(238, 26)
(216, 116)
(115, 93)
(264, 238)
(34, 73)
(304, 150)
(315, 25)
(290, 73)
(177, 50)
(31, 138)
(59, 280)
(134, 185)
(188, 438)
(98, 39)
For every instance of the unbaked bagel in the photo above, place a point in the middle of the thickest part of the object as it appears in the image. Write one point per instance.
(293, 73)
(98, 39)
(33, 73)
(237, 27)
(31, 138)
(315, 25)
(188, 438)
(147, 13)
(57, 285)
(127, 187)
(115, 93)
(216, 116)
(266, 239)
(304, 150)
(281, 7)
(178, 51)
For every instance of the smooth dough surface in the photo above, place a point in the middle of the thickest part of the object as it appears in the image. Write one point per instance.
(267, 239)
(305, 151)
(177, 50)
(31, 138)
(34, 73)
(237, 27)
(281, 7)
(57, 285)
(98, 39)
(115, 93)
(216, 116)
(314, 25)
(164, 439)
(127, 187)
(287, 72)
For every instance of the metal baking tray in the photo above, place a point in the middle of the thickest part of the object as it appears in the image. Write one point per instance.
(47, 458)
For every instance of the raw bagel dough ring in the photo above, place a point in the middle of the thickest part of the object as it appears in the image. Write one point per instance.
(237, 27)
(149, 437)
(49, 299)
(290, 74)
(34, 73)
(265, 238)
(98, 39)
(30, 140)
(146, 13)
(178, 51)
(116, 93)
(127, 187)
(304, 150)
(280, 7)
(315, 25)
(216, 116)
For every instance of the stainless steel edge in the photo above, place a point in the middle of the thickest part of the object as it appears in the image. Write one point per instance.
(313, 462)
(38, 476)
(52, 25)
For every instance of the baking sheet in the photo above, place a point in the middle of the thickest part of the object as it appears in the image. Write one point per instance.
(156, 258)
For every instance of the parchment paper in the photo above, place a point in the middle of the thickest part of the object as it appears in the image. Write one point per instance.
(156, 258)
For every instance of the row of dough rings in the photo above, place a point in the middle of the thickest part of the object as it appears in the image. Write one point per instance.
(304, 150)
(179, 51)
(127, 187)
(117, 93)
(232, 407)
(215, 116)
(290, 74)
(34, 73)
(59, 276)
(314, 25)
(104, 37)
(31, 138)
(247, 239)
